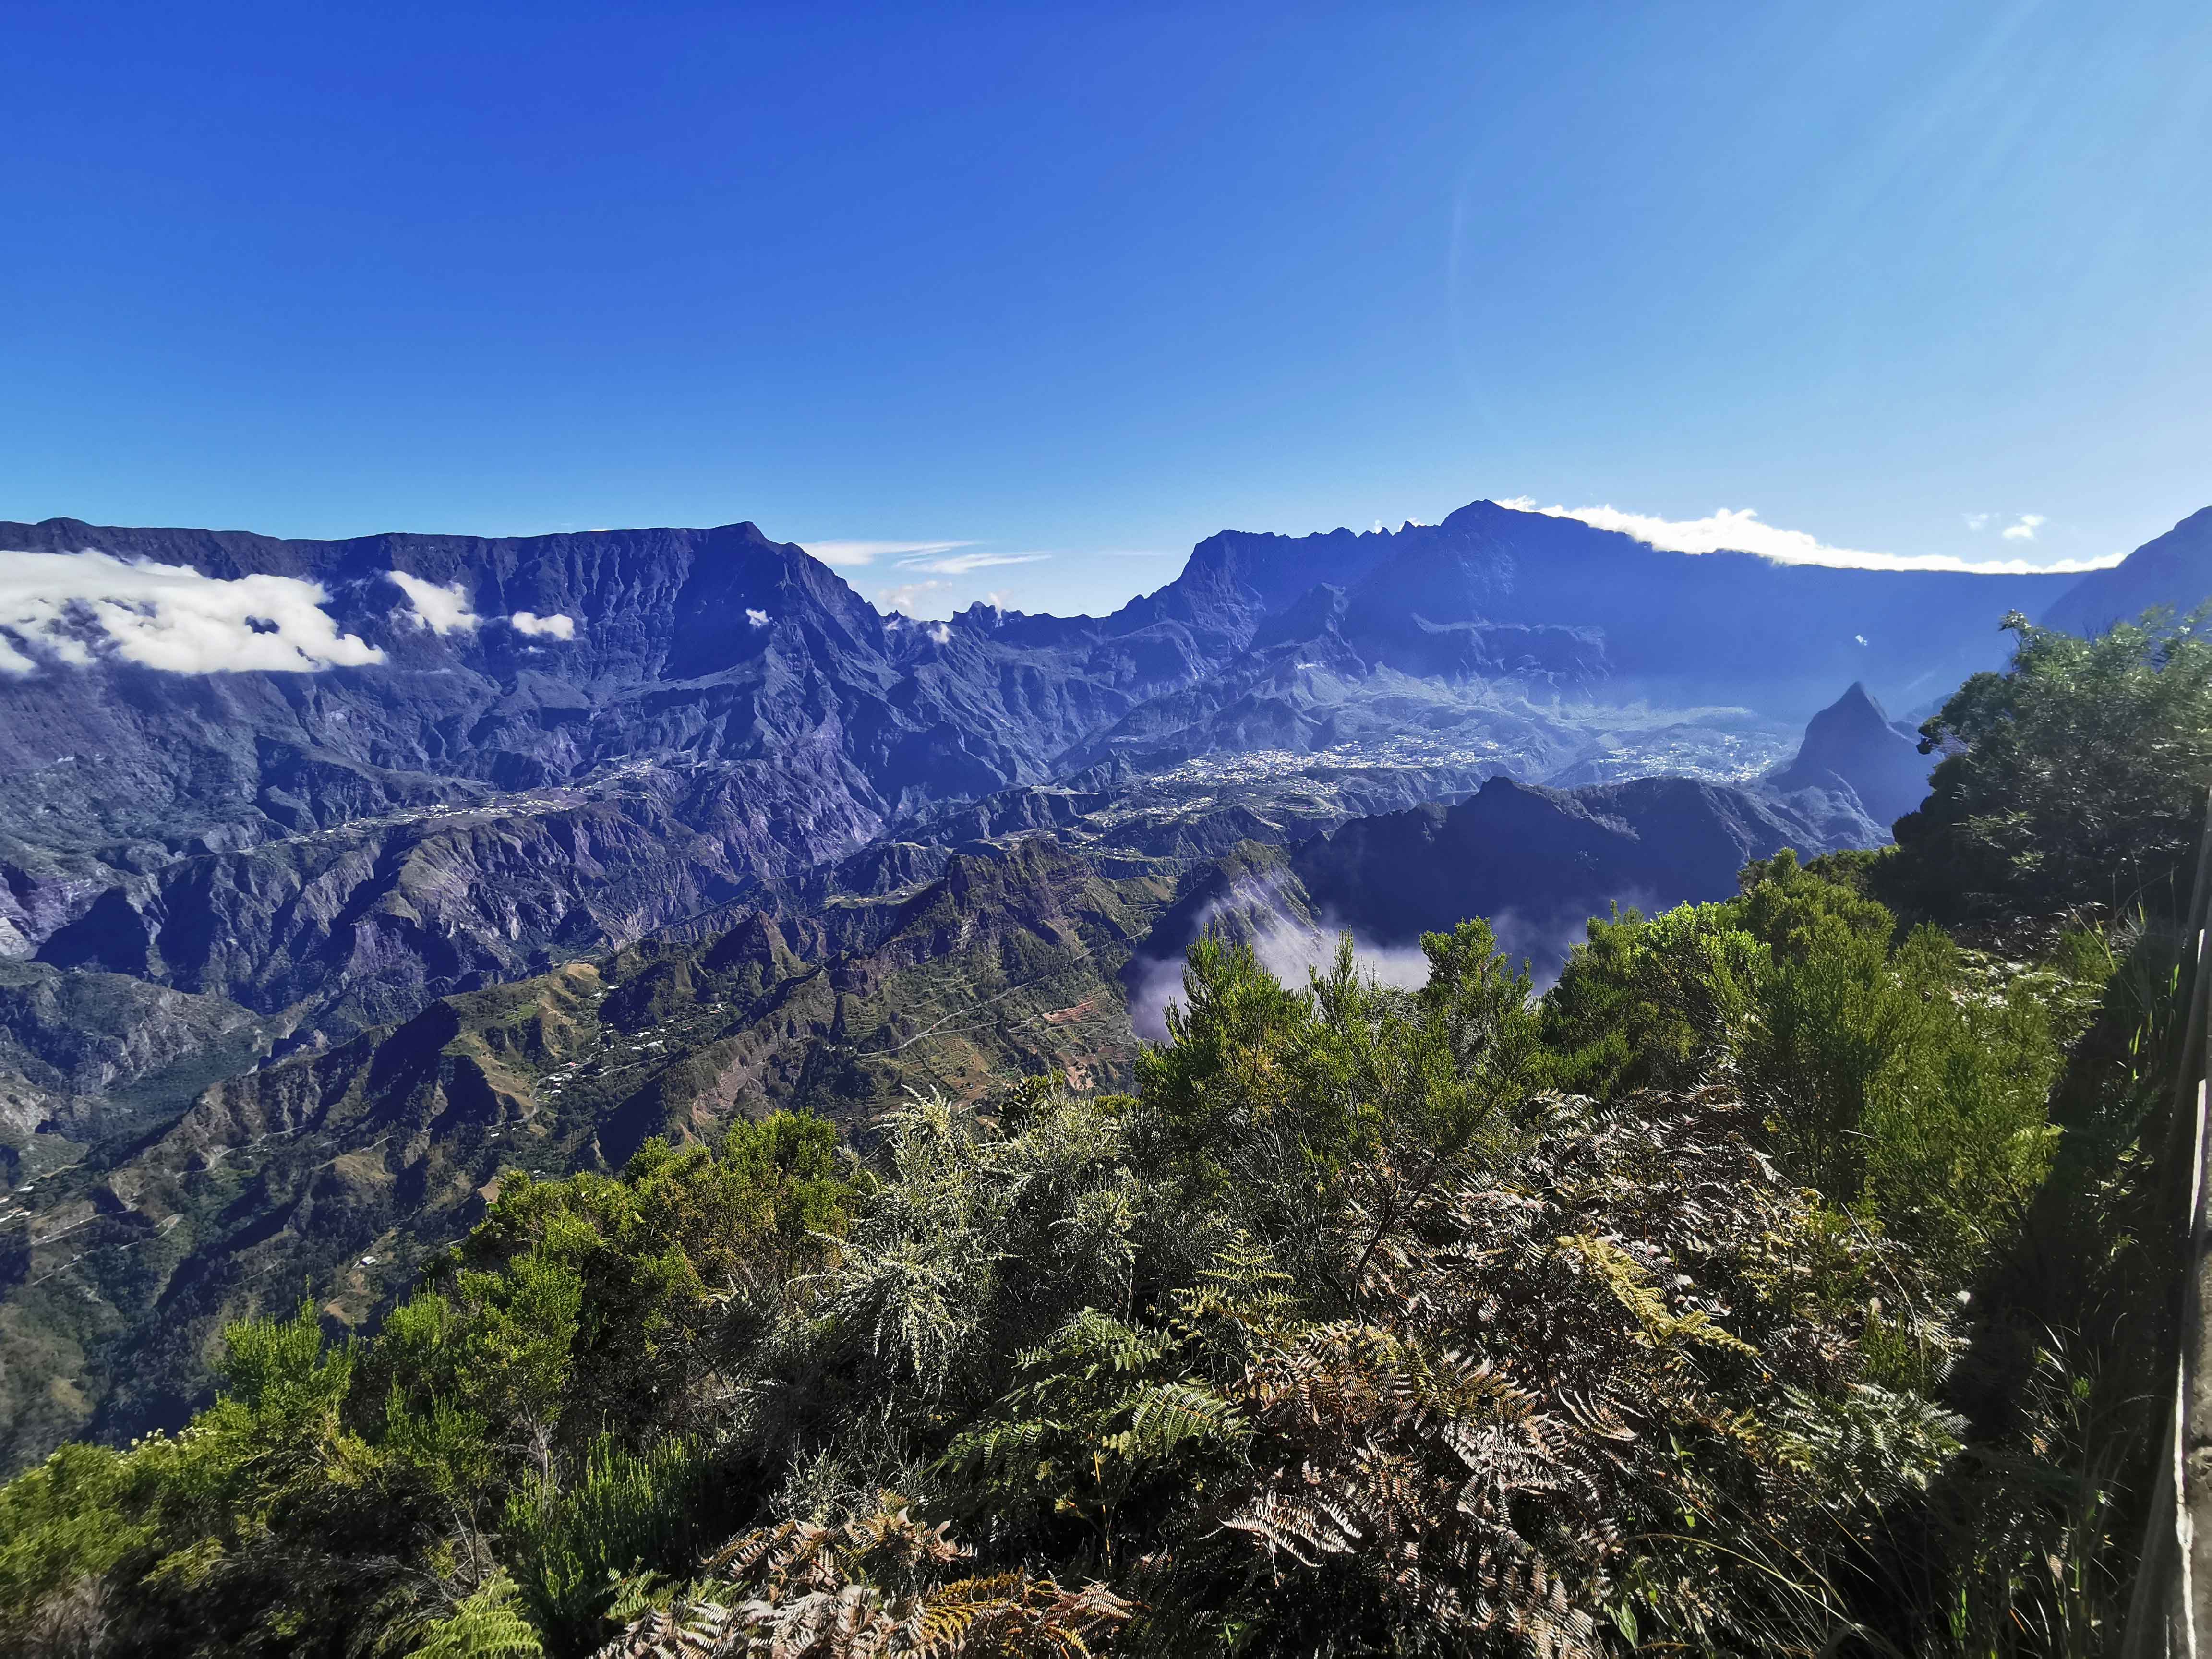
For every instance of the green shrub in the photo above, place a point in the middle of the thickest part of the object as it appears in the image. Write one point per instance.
(569, 1543)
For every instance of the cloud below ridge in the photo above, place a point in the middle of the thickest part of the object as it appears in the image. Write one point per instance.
(77, 607)
(1740, 530)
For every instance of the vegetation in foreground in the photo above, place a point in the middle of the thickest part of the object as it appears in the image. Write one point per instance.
(1788, 1278)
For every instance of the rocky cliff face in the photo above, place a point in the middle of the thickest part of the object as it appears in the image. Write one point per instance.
(699, 647)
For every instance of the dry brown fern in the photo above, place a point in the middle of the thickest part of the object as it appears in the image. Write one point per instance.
(871, 1589)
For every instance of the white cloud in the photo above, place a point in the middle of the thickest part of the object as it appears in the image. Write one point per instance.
(75, 606)
(1977, 520)
(850, 553)
(2023, 528)
(941, 634)
(555, 627)
(756, 618)
(961, 563)
(908, 598)
(1738, 529)
(441, 609)
(1288, 948)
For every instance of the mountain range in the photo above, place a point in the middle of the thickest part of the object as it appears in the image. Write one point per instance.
(337, 877)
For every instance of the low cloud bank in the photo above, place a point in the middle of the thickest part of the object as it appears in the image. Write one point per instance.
(75, 608)
(1255, 910)
(1287, 947)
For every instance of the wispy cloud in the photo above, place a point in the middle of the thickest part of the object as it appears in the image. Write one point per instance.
(1739, 529)
(854, 553)
(2023, 528)
(959, 564)
(1977, 520)
(74, 608)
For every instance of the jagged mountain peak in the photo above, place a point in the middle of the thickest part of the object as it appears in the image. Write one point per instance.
(1852, 745)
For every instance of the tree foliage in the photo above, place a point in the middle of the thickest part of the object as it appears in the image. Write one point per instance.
(2077, 776)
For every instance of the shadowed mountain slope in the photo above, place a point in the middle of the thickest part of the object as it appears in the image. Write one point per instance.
(2173, 569)
(1544, 860)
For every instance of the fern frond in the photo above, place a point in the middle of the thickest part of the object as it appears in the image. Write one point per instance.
(489, 1624)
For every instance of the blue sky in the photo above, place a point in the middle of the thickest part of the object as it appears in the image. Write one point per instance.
(1068, 289)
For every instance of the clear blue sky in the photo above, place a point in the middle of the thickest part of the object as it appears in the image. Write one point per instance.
(1091, 282)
